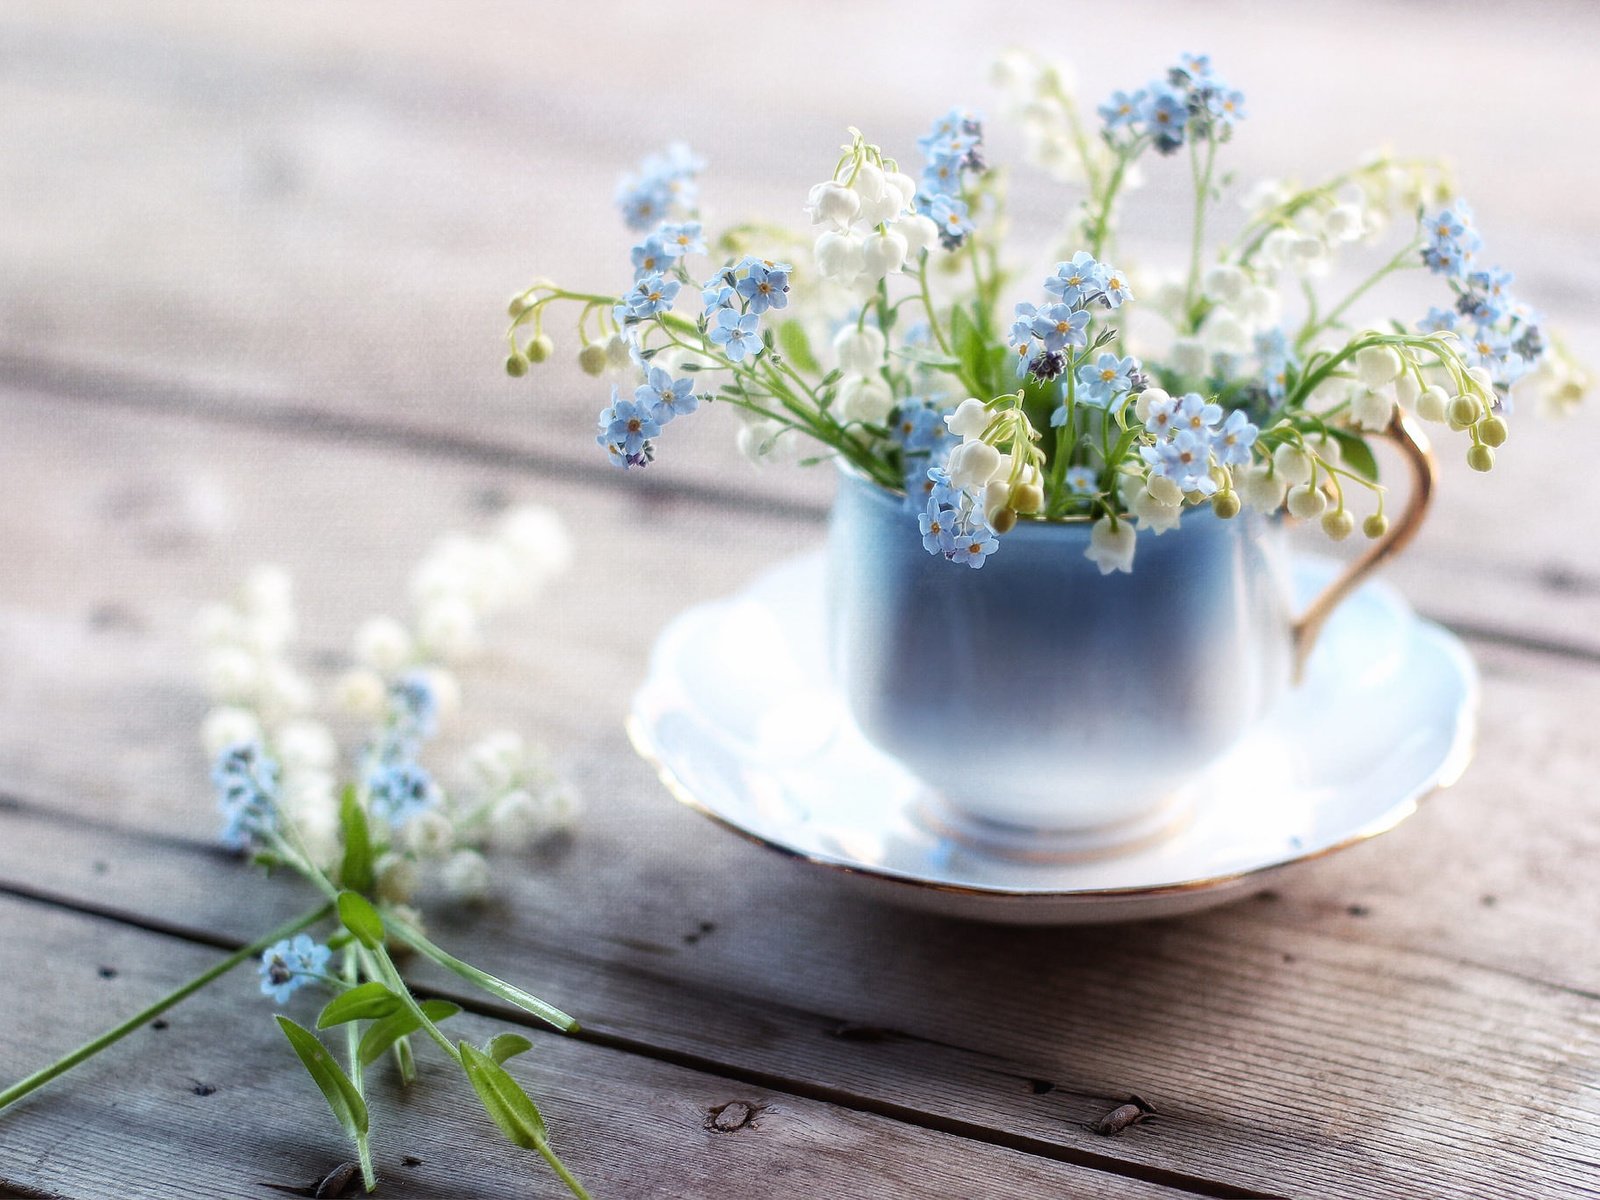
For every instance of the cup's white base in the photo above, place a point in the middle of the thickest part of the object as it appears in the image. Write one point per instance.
(1028, 843)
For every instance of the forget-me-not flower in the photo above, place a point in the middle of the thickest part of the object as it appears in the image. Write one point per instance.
(246, 780)
(1105, 379)
(664, 397)
(290, 964)
(736, 334)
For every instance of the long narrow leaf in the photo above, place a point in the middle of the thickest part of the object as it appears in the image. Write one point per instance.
(385, 1033)
(504, 1100)
(369, 1002)
(355, 872)
(343, 1099)
(495, 986)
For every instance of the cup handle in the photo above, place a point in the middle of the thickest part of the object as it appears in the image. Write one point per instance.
(1406, 434)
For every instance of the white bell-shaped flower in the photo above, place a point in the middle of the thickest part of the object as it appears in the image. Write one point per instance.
(1111, 547)
(838, 256)
(860, 349)
(969, 420)
(832, 203)
(883, 253)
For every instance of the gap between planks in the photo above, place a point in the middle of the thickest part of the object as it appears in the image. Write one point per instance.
(768, 1081)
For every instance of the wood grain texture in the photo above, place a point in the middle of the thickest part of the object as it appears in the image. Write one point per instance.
(1374, 1015)
(249, 312)
(167, 1113)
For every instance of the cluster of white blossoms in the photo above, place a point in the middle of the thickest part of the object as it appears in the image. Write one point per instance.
(870, 226)
(508, 795)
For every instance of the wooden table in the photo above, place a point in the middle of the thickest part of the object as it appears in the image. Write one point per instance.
(252, 260)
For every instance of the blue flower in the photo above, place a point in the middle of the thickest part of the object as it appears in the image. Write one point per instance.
(1231, 443)
(974, 546)
(653, 294)
(399, 790)
(415, 706)
(736, 334)
(1161, 416)
(1122, 109)
(1186, 460)
(1489, 297)
(650, 257)
(1105, 379)
(663, 185)
(1225, 108)
(291, 964)
(1022, 335)
(626, 430)
(1114, 289)
(1165, 116)
(664, 397)
(1060, 325)
(1076, 281)
(949, 215)
(1451, 241)
(718, 293)
(943, 492)
(764, 284)
(1196, 414)
(1275, 357)
(1438, 319)
(246, 780)
(954, 145)
(1196, 66)
(921, 429)
(938, 536)
(1082, 481)
(678, 240)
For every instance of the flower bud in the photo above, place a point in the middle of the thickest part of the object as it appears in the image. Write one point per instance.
(1292, 464)
(1226, 505)
(1307, 502)
(592, 358)
(860, 350)
(865, 398)
(396, 878)
(519, 304)
(1375, 526)
(1165, 490)
(618, 353)
(838, 256)
(1003, 520)
(466, 875)
(1377, 365)
(969, 420)
(884, 253)
(539, 348)
(1338, 524)
(1371, 410)
(919, 232)
(1028, 498)
(1463, 413)
(1480, 457)
(516, 365)
(1343, 223)
(996, 497)
(1433, 403)
(832, 203)
(1406, 390)
(973, 464)
(1492, 431)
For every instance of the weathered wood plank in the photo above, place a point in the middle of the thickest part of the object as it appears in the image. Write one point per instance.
(214, 1104)
(1249, 1027)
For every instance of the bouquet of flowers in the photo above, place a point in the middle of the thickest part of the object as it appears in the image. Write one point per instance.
(894, 338)
(371, 844)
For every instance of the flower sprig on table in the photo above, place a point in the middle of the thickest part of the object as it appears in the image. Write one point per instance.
(1259, 391)
(370, 843)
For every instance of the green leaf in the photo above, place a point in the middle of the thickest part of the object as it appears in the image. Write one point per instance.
(385, 1033)
(355, 872)
(504, 1100)
(797, 347)
(1356, 453)
(495, 986)
(343, 1099)
(926, 357)
(972, 350)
(507, 1045)
(360, 918)
(369, 1002)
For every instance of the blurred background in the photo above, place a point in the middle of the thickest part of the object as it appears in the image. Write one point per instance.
(254, 260)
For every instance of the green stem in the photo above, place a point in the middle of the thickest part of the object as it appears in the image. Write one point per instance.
(352, 1040)
(1202, 193)
(89, 1049)
(566, 1176)
(391, 976)
(492, 984)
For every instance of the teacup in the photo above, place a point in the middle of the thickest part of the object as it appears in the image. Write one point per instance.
(1047, 705)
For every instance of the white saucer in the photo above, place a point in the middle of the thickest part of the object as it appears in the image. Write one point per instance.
(742, 721)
